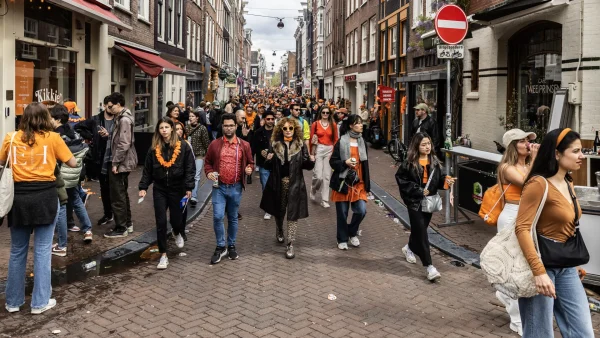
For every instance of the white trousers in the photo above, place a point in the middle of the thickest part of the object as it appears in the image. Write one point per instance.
(507, 216)
(322, 172)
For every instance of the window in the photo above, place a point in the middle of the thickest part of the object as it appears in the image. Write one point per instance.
(144, 9)
(31, 28)
(404, 37)
(122, 3)
(474, 69)
(383, 43)
(364, 38)
(372, 43)
(169, 20)
(417, 11)
(189, 27)
(254, 72)
(348, 50)
(429, 7)
(355, 46)
(394, 41)
(178, 23)
(160, 26)
(88, 43)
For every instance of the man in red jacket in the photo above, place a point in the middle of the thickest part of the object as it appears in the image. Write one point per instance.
(228, 160)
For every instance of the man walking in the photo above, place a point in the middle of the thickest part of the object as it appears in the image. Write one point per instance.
(261, 143)
(227, 161)
(303, 124)
(123, 160)
(425, 124)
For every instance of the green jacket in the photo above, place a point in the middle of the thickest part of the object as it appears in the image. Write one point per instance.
(60, 187)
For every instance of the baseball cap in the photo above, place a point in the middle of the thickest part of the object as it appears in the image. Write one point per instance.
(422, 106)
(516, 134)
(72, 106)
(216, 104)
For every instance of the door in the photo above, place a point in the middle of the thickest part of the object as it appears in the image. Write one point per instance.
(88, 93)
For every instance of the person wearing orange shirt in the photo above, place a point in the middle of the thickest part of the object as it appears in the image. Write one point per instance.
(323, 136)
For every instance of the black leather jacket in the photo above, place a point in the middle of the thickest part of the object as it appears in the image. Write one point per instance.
(179, 176)
(410, 183)
(428, 126)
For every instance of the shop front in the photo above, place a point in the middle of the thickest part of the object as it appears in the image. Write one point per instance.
(366, 88)
(433, 94)
(350, 93)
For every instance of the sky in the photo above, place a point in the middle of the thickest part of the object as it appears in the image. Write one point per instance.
(266, 35)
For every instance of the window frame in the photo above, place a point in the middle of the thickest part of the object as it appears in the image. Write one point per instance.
(474, 54)
(393, 36)
(364, 38)
(126, 4)
(372, 39)
(144, 10)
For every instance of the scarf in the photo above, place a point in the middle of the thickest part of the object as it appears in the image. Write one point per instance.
(288, 139)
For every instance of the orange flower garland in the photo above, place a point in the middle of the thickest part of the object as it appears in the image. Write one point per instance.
(161, 160)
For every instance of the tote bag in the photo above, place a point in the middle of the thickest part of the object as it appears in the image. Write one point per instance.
(7, 185)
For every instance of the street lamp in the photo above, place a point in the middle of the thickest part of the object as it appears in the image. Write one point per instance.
(274, 54)
(280, 24)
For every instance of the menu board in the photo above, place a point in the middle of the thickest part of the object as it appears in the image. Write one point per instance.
(23, 85)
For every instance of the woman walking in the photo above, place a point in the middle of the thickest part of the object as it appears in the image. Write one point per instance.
(286, 159)
(323, 135)
(197, 135)
(170, 166)
(557, 279)
(35, 204)
(350, 180)
(420, 176)
(173, 111)
(512, 171)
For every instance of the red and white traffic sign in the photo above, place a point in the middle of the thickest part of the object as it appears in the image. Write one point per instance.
(451, 24)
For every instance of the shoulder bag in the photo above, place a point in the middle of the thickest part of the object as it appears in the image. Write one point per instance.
(504, 264)
(7, 184)
(431, 203)
(489, 210)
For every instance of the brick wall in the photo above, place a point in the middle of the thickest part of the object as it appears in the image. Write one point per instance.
(355, 21)
(479, 5)
(196, 14)
(142, 32)
(412, 38)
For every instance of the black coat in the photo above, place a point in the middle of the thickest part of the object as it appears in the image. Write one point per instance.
(410, 183)
(179, 176)
(428, 126)
(338, 165)
(88, 129)
(260, 142)
(299, 159)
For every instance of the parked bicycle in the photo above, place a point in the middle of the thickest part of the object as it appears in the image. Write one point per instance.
(396, 148)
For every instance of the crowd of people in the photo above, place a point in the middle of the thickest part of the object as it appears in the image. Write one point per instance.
(279, 135)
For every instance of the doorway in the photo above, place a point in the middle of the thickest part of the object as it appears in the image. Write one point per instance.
(88, 93)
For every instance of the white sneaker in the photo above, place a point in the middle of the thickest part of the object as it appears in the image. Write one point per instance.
(410, 256)
(257, 169)
(432, 273)
(517, 328)
(343, 246)
(312, 196)
(51, 304)
(130, 228)
(164, 262)
(11, 309)
(179, 241)
(354, 241)
(324, 204)
(267, 216)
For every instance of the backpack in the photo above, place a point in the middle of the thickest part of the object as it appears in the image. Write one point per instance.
(489, 210)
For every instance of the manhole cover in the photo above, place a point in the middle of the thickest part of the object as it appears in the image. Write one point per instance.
(457, 264)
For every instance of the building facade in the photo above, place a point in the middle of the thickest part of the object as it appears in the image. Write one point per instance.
(318, 48)
(335, 48)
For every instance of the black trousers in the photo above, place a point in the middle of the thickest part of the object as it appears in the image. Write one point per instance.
(167, 199)
(119, 199)
(418, 242)
(105, 195)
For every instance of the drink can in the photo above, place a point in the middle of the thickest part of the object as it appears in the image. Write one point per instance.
(216, 182)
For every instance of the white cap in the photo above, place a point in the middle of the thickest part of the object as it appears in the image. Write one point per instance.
(516, 134)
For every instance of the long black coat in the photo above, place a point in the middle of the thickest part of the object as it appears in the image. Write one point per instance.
(410, 183)
(297, 207)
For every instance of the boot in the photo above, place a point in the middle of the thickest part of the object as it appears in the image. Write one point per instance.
(279, 234)
(289, 252)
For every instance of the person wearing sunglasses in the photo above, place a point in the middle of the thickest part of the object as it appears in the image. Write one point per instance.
(261, 143)
(304, 127)
(286, 160)
(323, 135)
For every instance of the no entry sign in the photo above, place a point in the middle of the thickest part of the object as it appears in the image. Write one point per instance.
(451, 24)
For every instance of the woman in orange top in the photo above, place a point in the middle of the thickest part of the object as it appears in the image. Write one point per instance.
(512, 171)
(350, 156)
(323, 135)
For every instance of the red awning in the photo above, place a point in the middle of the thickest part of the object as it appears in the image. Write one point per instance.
(152, 64)
(93, 11)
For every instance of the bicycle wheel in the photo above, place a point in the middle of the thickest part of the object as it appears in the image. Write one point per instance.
(393, 149)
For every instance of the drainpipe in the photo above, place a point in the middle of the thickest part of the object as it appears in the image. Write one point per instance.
(578, 107)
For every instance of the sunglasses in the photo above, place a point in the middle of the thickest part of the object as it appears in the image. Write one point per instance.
(287, 128)
(109, 107)
(269, 119)
(325, 113)
(296, 109)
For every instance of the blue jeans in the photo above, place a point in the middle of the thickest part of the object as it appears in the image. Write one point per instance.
(570, 308)
(42, 261)
(199, 168)
(82, 193)
(61, 226)
(79, 208)
(226, 198)
(345, 230)
(264, 176)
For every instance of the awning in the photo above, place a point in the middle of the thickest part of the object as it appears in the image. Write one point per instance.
(152, 64)
(506, 8)
(93, 11)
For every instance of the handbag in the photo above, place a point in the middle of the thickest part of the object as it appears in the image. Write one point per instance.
(488, 211)
(504, 264)
(569, 254)
(351, 177)
(431, 203)
(7, 184)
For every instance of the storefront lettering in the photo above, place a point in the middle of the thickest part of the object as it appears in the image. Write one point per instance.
(542, 88)
(47, 94)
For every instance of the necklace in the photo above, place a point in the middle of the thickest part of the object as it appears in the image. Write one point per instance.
(161, 160)
(324, 125)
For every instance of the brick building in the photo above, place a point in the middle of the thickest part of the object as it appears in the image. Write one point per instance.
(318, 48)
(335, 48)
(194, 48)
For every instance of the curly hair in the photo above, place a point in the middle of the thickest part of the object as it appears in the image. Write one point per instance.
(278, 130)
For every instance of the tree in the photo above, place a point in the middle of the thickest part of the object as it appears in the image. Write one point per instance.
(276, 80)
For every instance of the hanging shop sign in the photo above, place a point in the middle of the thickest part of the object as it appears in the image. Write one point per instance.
(387, 94)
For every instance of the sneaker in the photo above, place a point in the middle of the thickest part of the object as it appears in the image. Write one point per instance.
(515, 327)
(267, 216)
(163, 263)
(116, 234)
(130, 228)
(11, 309)
(87, 237)
(324, 204)
(74, 228)
(312, 196)
(193, 203)
(220, 252)
(85, 199)
(179, 241)
(289, 252)
(279, 235)
(343, 246)
(410, 256)
(354, 241)
(233, 255)
(51, 304)
(257, 169)
(432, 273)
(239, 216)
(60, 252)
(184, 236)
(105, 220)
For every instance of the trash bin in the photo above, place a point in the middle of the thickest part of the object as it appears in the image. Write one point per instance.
(474, 178)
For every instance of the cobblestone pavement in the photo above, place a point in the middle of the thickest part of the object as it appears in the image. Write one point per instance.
(265, 295)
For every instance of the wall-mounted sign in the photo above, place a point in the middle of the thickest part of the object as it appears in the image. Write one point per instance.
(350, 78)
(23, 84)
(48, 94)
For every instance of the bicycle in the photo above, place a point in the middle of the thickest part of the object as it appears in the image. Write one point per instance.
(396, 148)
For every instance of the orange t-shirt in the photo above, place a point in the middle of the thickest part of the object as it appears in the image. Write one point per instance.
(424, 164)
(357, 192)
(37, 163)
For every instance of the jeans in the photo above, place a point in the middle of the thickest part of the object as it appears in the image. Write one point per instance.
(226, 198)
(61, 226)
(264, 176)
(418, 240)
(105, 195)
(199, 169)
(167, 199)
(345, 230)
(82, 192)
(79, 209)
(119, 198)
(570, 308)
(42, 261)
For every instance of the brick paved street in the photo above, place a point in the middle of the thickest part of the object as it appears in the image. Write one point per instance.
(264, 295)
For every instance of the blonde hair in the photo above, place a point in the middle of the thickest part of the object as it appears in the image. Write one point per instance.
(510, 158)
(278, 130)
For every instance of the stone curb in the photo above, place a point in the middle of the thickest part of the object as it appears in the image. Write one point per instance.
(435, 239)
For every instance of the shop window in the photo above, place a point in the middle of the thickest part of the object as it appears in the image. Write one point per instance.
(427, 93)
(46, 22)
(474, 69)
(143, 87)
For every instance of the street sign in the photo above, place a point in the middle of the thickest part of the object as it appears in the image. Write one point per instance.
(451, 24)
(450, 51)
